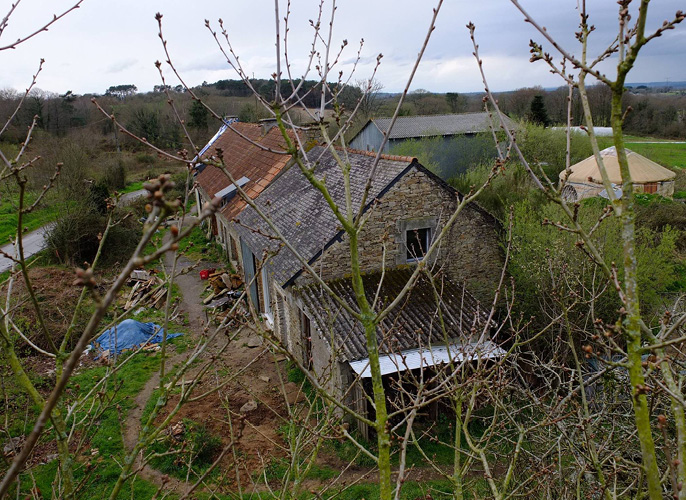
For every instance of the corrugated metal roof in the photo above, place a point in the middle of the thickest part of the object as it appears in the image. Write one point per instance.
(414, 323)
(407, 127)
(429, 356)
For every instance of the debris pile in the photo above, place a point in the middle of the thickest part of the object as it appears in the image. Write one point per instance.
(147, 288)
(224, 288)
(12, 446)
(176, 431)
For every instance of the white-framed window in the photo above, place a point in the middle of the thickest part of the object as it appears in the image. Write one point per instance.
(417, 243)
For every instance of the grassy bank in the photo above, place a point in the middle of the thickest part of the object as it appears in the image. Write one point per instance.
(9, 216)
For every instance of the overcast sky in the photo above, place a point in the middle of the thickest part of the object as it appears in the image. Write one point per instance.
(115, 42)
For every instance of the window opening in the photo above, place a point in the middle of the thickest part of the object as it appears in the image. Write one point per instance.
(417, 241)
(306, 331)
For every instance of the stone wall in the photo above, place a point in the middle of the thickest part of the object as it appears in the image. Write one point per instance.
(470, 251)
(327, 370)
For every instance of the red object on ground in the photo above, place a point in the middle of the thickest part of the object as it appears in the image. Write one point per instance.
(204, 274)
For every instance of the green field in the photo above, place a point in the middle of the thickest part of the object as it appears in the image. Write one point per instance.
(667, 153)
(133, 186)
(31, 221)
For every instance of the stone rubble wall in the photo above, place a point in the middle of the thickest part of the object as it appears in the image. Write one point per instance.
(470, 252)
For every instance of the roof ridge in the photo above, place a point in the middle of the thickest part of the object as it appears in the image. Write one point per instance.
(423, 116)
(383, 156)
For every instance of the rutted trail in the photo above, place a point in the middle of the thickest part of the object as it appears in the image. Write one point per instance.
(191, 287)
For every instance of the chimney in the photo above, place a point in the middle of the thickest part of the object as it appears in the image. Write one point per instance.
(267, 124)
(313, 133)
(229, 119)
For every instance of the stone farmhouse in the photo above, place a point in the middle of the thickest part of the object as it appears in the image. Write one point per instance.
(408, 206)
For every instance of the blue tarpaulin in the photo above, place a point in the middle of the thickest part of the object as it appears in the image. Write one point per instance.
(130, 334)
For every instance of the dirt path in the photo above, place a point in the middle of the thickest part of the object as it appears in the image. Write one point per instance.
(257, 384)
(192, 287)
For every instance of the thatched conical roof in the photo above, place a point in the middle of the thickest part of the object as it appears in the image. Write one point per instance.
(642, 169)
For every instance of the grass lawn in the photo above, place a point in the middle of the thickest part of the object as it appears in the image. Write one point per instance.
(133, 186)
(196, 246)
(105, 448)
(32, 221)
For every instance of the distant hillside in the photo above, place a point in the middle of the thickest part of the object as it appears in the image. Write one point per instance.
(660, 85)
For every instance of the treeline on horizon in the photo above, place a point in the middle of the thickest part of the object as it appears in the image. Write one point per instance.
(657, 114)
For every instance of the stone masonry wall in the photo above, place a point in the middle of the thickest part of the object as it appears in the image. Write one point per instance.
(471, 251)
(326, 369)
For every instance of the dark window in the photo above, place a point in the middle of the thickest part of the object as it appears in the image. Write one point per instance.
(417, 241)
(306, 332)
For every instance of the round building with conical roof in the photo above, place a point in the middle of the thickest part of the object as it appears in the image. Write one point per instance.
(583, 180)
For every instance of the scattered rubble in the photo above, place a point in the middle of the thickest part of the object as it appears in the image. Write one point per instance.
(176, 431)
(147, 289)
(249, 406)
(255, 341)
(13, 445)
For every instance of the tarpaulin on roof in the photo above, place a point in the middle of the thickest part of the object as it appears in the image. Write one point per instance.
(130, 334)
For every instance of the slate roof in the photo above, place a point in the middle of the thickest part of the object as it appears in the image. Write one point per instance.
(407, 127)
(301, 213)
(414, 323)
(244, 159)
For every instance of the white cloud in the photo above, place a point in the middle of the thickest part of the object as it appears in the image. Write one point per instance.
(104, 44)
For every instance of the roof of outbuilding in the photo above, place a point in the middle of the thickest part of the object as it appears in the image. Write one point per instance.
(301, 213)
(407, 127)
(641, 168)
(414, 323)
(244, 159)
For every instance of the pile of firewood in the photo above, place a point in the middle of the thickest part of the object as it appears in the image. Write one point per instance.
(223, 287)
(148, 290)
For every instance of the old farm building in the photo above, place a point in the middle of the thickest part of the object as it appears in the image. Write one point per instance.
(415, 127)
(457, 141)
(255, 155)
(407, 207)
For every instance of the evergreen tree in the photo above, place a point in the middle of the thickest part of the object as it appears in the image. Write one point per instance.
(198, 115)
(538, 114)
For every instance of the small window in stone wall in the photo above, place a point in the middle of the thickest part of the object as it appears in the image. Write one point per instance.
(650, 187)
(417, 243)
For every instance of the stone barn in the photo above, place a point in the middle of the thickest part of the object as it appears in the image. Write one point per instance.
(406, 208)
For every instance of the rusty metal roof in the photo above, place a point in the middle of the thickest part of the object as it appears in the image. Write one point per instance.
(415, 323)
